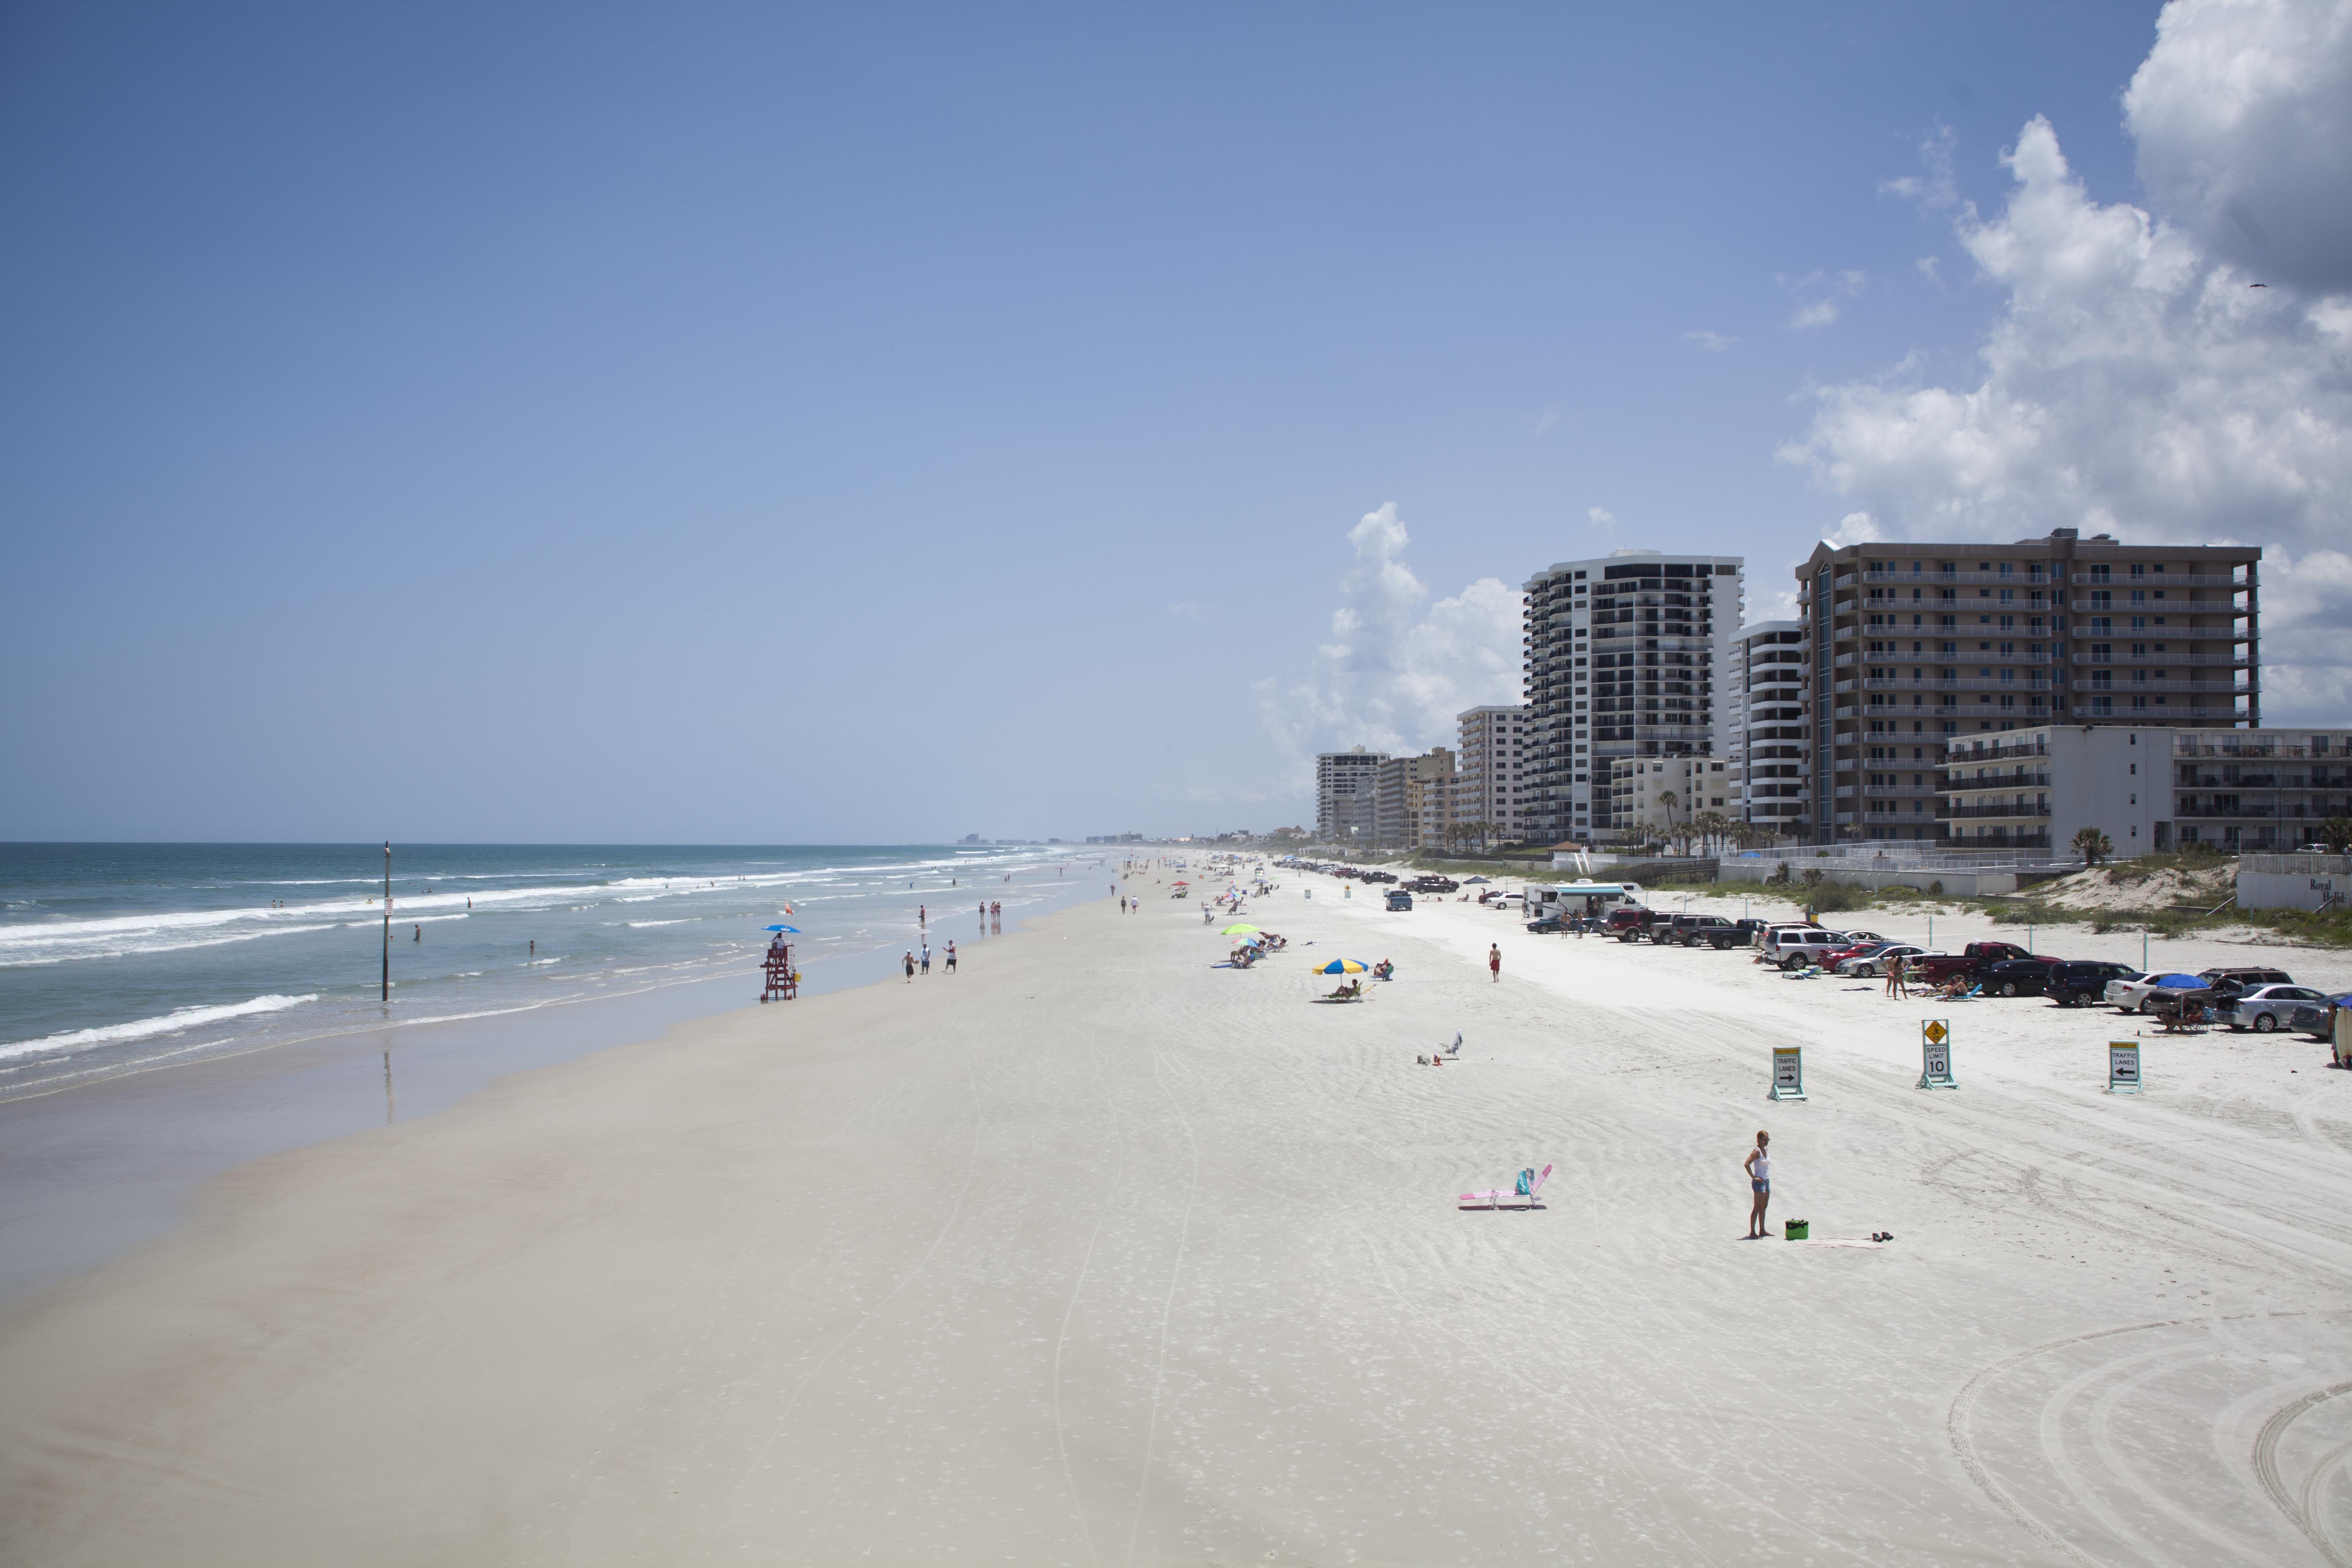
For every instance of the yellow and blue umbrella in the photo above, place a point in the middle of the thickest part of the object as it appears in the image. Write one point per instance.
(1342, 966)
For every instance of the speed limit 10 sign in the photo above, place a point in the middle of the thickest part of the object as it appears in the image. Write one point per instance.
(1935, 1054)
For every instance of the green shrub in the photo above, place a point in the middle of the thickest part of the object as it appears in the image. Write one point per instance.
(1812, 876)
(1936, 888)
(1837, 896)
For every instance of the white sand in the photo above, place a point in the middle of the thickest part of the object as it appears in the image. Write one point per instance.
(1095, 1254)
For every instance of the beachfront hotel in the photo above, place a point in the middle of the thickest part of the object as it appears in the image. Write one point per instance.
(1344, 783)
(1910, 646)
(1628, 654)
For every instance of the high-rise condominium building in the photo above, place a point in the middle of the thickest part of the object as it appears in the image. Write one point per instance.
(1343, 795)
(1767, 724)
(1629, 655)
(1413, 801)
(1493, 786)
(1907, 645)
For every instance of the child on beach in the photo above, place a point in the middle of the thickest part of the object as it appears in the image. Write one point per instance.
(1759, 1165)
(911, 968)
(927, 958)
(1495, 962)
(951, 958)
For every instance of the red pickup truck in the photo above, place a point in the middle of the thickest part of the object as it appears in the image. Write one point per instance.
(1942, 966)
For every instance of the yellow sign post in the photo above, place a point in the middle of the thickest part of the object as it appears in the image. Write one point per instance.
(1935, 1054)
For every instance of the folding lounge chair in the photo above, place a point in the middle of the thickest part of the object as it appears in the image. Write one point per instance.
(1499, 1199)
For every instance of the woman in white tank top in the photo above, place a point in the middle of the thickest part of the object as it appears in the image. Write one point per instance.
(1758, 1165)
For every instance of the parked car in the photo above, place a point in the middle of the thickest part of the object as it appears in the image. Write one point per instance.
(2264, 1008)
(2024, 976)
(1629, 922)
(2231, 980)
(1697, 931)
(2318, 1018)
(1793, 947)
(1548, 926)
(2081, 984)
(1970, 961)
(1379, 876)
(2134, 995)
(1433, 883)
(1878, 956)
(1400, 900)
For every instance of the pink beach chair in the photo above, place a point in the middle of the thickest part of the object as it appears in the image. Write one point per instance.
(1513, 1199)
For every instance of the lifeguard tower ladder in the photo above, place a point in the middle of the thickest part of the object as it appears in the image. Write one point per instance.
(784, 983)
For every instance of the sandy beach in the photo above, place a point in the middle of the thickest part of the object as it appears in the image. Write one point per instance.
(1094, 1253)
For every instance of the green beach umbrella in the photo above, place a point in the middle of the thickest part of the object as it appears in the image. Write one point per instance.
(1343, 966)
(1239, 931)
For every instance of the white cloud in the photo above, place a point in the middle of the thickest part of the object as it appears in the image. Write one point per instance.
(1932, 188)
(1601, 517)
(1713, 342)
(1822, 311)
(2244, 115)
(2134, 384)
(1397, 669)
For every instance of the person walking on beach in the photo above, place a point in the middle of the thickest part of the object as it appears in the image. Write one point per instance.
(1894, 982)
(1495, 962)
(1122, 903)
(910, 967)
(927, 958)
(922, 915)
(951, 957)
(1759, 1165)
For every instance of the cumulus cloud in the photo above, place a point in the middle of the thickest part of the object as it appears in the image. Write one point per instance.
(1600, 516)
(1713, 342)
(1398, 668)
(2242, 113)
(2135, 383)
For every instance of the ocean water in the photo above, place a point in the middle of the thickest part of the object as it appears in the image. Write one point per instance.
(119, 958)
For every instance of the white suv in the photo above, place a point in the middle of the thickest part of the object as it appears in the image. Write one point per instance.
(1793, 947)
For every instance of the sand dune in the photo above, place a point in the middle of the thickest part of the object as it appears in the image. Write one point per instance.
(1095, 1254)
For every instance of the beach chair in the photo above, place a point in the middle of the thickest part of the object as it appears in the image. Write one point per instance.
(1523, 1193)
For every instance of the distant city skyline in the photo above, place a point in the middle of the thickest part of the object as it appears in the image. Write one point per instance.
(804, 426)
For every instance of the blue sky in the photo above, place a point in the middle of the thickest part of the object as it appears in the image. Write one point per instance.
(747, 423)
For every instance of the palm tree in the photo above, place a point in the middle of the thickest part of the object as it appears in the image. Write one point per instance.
(2336, 832)
(2092, 844)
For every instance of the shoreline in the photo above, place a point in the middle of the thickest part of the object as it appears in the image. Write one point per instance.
(90, 1170)
(1097, 1252)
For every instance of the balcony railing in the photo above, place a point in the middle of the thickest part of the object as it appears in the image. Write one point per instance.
(2232, 660)
(2170, 580)
(1954, 683)
(1988, 809)
(1946, 579)
(2158, 715)
(2201, 688)
(2085, 632)
(2005, 781)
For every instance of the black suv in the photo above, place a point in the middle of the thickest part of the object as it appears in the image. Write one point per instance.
(1691, 930)
(2078, 985)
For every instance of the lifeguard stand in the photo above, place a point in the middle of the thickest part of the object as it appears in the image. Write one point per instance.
(783, 981)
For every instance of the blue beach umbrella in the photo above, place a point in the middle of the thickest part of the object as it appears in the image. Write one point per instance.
(794, 930)
(2183, 982)
(1342, 966)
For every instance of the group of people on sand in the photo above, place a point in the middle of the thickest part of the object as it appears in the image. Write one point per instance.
(924, 960)
(1898, 982)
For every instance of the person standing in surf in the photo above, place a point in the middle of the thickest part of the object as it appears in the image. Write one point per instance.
(1759, 1165)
